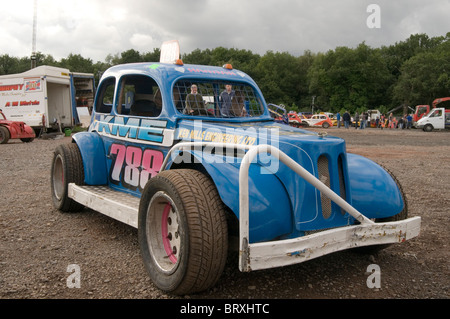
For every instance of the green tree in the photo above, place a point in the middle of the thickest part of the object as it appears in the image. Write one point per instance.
(243, 60)
(8, 64)
(151, 56)
(424, 77)
(350, 79)
(76, 63)
(198, 56)
(278, 75)
(130, 56)
(397, 54)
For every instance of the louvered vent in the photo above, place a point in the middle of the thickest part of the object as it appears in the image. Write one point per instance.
(324, 176)
(342, 190)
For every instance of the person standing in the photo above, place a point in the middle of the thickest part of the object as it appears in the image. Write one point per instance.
(194, 101)
(356, 120)
(338, 117)
(346, 117)
(409, 120)
(363, 121)
(226, 99)
(390, 121)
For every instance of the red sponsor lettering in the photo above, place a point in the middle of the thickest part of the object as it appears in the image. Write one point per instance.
(22, 103)
(13, 87)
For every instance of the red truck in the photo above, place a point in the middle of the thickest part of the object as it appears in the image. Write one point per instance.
(422, 110)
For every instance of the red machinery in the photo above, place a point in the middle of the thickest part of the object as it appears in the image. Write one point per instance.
(421, 110)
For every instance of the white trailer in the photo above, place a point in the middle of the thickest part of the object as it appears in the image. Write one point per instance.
(46, 97)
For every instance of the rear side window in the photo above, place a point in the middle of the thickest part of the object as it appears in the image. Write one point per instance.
(105, 98)
(139, 96)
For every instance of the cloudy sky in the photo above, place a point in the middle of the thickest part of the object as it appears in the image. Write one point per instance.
(96, 28)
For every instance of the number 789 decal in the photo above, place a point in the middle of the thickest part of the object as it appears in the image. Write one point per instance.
(133, 166)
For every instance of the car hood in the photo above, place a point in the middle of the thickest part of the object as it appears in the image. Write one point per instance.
(285, 137)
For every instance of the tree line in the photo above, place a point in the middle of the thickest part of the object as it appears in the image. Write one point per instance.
(411, 72)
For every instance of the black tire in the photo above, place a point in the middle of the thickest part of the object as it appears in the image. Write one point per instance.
(325, 125)
(400, 216)
(428, 128)
(182, 231)
(67, 167)
(404, 213)
(4, 135)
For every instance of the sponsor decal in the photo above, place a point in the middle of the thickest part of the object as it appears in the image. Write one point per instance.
(131, 129)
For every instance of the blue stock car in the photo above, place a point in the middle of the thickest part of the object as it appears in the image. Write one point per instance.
(191, 157)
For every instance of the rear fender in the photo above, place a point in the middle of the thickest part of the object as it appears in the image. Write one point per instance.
(374, 192)
(270, 208)
(94, 158)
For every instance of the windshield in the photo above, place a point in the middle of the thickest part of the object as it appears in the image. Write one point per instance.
(218, 99)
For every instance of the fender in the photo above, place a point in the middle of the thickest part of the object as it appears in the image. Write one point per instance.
(374, 192)
(270, 209)
(94, 158)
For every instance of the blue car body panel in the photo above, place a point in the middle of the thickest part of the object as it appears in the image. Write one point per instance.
(125, 151)
(93, 156)
(374, 191)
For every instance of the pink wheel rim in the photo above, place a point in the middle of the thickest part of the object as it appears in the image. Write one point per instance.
(166, 236)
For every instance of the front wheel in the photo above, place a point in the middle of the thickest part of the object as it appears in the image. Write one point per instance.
(400, 216)
(428, 128)
(182, 231)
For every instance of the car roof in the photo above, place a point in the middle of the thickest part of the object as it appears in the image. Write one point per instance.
(167, 74)
(171, 72)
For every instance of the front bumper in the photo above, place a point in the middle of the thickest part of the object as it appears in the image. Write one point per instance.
(287, 252)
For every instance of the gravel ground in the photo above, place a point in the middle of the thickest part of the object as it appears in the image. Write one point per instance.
(38, 243)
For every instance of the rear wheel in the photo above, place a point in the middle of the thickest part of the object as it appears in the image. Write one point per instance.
(4, 135)
(67, 167)
(182, 231)
(326, 125)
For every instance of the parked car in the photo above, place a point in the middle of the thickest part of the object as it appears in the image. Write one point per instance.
(15, 130)
(278, 113)
(320, 120)
(296, 119)
(190, 178)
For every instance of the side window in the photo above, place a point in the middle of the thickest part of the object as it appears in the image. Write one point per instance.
(106, 96)
(139, 96)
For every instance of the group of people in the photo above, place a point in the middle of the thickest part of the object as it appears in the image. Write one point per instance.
(227, 101)
(362, 121)
(402, 122)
